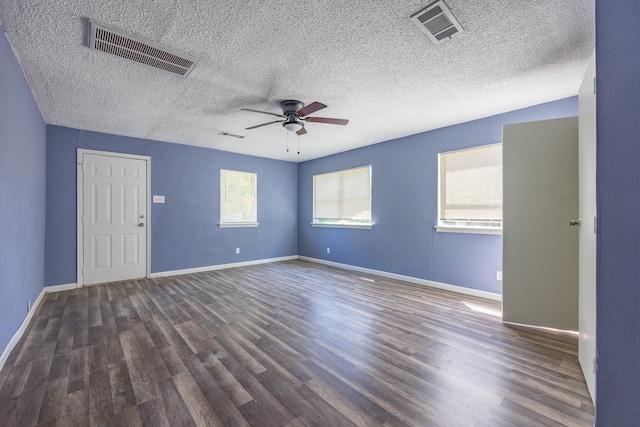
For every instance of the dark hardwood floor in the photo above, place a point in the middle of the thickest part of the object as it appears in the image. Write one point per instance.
(285, 344)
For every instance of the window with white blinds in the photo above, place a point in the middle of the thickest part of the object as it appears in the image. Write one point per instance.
(470, 187)
(343, 198)
(238, 199)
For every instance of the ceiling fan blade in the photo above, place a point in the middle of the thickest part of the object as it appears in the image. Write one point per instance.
(264, 124)
(263, 112)
(327, 120)
(311, 108)
(302, 131)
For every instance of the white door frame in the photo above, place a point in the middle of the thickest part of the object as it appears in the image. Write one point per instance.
(80, 207)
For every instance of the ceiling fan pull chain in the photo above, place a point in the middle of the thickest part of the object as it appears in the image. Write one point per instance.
(298, 143)
(287, 142)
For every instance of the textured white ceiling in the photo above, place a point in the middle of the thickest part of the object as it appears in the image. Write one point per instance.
(365, 59)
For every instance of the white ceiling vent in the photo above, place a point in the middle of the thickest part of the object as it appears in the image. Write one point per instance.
(136, 49)
(437, 22)
(225, 133)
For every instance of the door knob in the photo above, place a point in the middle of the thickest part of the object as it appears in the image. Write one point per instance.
(141, 224)
(574, 222)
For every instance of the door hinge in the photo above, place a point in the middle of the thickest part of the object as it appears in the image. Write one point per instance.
(595, 224)
(594, 85)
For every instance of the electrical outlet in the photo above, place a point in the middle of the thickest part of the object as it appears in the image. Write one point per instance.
(328, 250)
(158, 199)
(498, 275)
(237, 250)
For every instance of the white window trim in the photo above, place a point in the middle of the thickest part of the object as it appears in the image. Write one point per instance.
(439, 228)
(469, 230)
(255, 197)
(343, 224)
(238, 224)
(364, 225)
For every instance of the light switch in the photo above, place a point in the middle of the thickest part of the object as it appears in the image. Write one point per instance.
(158, 199)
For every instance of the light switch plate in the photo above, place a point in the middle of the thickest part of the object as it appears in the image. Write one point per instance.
(158, 199)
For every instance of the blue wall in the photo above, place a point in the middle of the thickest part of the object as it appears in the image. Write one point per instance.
(404, 206)
(185, 232)
(22, 195)
(618, 198)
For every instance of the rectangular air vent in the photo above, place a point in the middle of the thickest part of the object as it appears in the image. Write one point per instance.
(437, 22)
(224, 133)
(136, 49)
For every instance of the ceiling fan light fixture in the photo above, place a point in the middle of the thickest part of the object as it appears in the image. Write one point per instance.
(293, 126)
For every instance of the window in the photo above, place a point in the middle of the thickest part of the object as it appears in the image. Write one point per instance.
(343, 198)
(238, 199)
(470, 190)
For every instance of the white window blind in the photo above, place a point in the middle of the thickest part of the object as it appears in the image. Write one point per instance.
(470, 193)
(238, 198)
(342, 197)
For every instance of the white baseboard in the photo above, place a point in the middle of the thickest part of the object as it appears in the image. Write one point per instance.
(410, 279)
(23, 326)
(18, 335)
(60, 288)
(221, 266)
(542, 328)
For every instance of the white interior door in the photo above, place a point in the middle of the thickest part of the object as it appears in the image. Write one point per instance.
(587, 269)
(114, 218)
(540, 248)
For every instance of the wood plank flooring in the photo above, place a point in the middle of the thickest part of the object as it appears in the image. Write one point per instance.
(285, 344)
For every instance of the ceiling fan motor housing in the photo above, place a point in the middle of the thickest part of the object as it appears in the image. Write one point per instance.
(290, 106)
(290, 109)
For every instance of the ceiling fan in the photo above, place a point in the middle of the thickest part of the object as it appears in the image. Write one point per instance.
(295, 114)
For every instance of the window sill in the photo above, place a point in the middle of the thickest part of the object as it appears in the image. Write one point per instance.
(341, 225)
(468, 230)
(238, 224)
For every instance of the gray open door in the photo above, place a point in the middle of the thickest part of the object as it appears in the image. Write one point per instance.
(540, 247)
